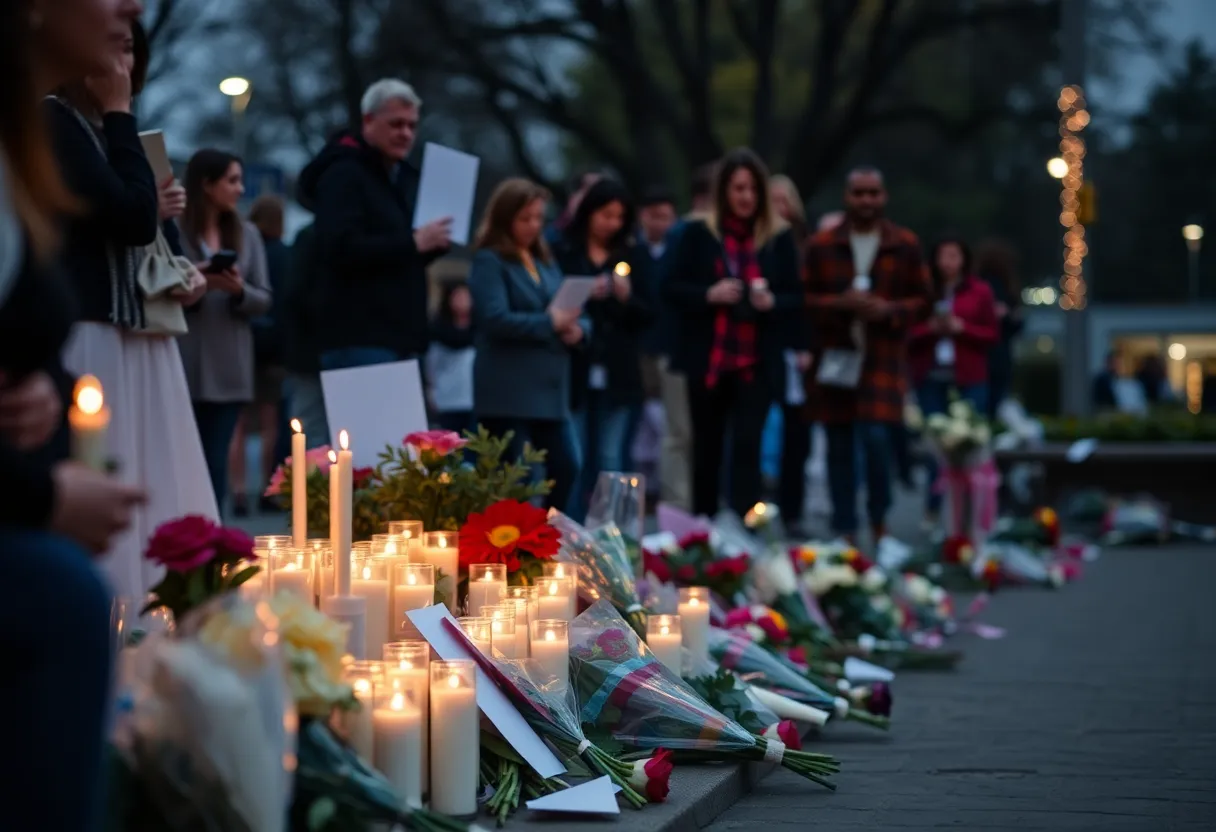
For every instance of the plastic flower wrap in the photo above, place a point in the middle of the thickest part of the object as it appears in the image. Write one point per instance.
(694, 561)
(625, 692)
(1019, 565)
(960, 435)
(209, 740)
(619, 499)
(604, 568)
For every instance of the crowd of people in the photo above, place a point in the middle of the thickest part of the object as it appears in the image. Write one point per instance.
(199, 322)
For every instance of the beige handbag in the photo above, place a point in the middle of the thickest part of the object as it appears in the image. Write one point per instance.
(161, 272)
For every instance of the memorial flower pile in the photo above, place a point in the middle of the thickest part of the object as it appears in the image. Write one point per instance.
(509, 532)
(693, 561)
(202, 560)
(605, 570)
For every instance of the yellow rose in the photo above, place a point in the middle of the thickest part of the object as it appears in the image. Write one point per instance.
(231, 634)
(313, 644)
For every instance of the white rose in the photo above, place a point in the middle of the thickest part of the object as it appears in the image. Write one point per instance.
(961, 410)
(983, 434)
(777, 576)
(823, 579)
(755, 632)
(913, 418)
(874, 579)
(918, 589)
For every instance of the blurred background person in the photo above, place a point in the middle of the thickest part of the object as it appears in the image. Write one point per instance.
(996, 264)
(606, 380)
(300, 318)
(267, 411)
(96, 140)
(218, 350)
(450, 358)
(948, 353)
(734, 285)
(576, 186)
(55, 513)
(521, 374)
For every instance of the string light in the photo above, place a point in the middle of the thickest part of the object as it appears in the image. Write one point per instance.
(1074, 118)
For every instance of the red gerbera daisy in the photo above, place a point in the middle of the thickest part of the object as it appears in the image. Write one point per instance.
(504, 531)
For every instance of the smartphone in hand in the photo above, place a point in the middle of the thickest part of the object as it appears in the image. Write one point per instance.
(221, 261)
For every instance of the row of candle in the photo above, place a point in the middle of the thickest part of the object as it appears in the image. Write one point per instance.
(668, 635)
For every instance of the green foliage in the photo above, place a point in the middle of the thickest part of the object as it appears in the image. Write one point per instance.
(1164, 426)
(180, 592)
(729, 697)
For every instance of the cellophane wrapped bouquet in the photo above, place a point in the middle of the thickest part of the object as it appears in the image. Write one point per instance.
(628, 697)
(605, 571)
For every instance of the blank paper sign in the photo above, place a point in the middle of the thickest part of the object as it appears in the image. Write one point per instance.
(573, 293)
(447, 188)
(378, 405)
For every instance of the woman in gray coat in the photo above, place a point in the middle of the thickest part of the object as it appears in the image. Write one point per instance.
(217, 352)
(521, 375)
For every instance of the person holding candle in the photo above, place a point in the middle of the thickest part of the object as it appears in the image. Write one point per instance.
(521, 374)
(606, 377)
(96, 141)
(734, 288)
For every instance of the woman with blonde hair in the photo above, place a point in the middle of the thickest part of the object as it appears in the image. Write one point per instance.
(734, 285)
(521, 373)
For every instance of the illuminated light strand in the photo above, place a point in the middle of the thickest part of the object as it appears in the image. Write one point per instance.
(1074, 118)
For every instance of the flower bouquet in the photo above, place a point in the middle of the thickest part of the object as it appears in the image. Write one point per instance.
(367, 517)
(604, 569)
(1040, 530)
(202, 560)
(624, 692)
(550, 708)
(961, 439)
(693, 561)
(619, 499)
(734, 698)
(510, 778)
(510, 532)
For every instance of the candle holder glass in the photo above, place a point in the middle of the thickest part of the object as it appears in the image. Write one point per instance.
(662, 625)
(455, 728)
(528, 596)
(557, 569)
(550, 630)
(317, 544)
(555, 598)
(388, 545)
(355, 726)
(413, 587)
(291, 570)
(368, 568)
(503, 625)
(487, 585)
(453, 675)
(323, 568)
(409, 531)
(406, 655)
(488, 572)
(362, 549)
(441, 540)
(694, 595)
(477, 628)
(268, 542)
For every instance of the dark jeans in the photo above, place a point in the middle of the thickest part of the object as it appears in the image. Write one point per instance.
(934, 397)
(216, 424)
(347, 357)
(457, 421)
(550, 435)
(601, 431)
(55, 627)
(795, 450)
(874, 440)
(734, 407)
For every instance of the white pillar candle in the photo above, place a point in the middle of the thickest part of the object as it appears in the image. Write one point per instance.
(346, 497)
(335, 518)
(455, 738)
(397, 732)
(556, 569)
(89, 420)
(487, 585)
(478, 631)
(694, 623)
(253, 587)
(551, 648)
(441, 551)
(526, 610)
(352, 611)
(299, 488)
(664, 640)
(372, 585)
(292, 574)
(407, 666)
(554, 598)
(413, 589)
(502, 630)
(409, 531)
(359, 722)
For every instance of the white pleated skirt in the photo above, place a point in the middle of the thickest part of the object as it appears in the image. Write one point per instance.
(152, 436)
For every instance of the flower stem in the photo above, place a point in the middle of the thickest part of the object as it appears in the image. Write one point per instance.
(866, 718)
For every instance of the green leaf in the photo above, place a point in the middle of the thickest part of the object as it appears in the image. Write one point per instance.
(196, 588)
(321, 813)
(242, 576)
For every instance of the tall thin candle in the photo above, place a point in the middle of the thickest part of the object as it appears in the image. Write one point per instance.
(89, 419)
(299, 495)
(335, 511)
(346, 498)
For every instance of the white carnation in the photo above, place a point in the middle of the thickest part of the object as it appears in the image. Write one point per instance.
(823, 579)
(755, 632)
(961, 410)
(874, 579)
(918, 589)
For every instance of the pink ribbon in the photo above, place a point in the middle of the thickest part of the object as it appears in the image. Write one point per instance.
(985, 480)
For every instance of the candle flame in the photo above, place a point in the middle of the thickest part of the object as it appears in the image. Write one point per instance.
(362, 686)
(390, 548)
(297, 426)
(489, 575)
(664, 630)
(411, 579)
(692, 602)
(453, 681)
(333, 458)
(367, 573)
(88, 395)
(760, 509)
(550, 635)
(398, 702)
(622, 269)
(405, 664)
(552, 587)
(344, 440)
(497, 625)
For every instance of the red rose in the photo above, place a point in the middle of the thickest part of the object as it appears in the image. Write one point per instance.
(361, 477)
(656, 565)
(740, 564)
(798, 655)
(718, 569)
(233, 543)
(183, 544)
(788, 733)
(441, 442)
(952, 549)
(687, 572)
(772, 629)
(650, 777)
(694, 539)
(738, 618)
(613, 643)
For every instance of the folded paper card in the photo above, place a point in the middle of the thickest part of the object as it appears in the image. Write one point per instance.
(492, 701)
(863, 672)
(379, 405)
(573, 293)
(595, 797)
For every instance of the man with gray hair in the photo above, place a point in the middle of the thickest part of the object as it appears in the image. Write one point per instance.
(371, 294)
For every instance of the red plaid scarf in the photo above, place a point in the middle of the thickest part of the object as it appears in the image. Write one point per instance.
(734, 346)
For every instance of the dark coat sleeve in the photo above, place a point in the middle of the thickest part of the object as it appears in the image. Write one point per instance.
(342, 226)
(786, 285)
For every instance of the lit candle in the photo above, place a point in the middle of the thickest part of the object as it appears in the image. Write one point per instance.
(291, 571)
(413, 589)
(397, 732)
(527, 609)
(694, 623)
(407, 667)
(388, 545)
(487, 585)
(551, 648)
(364, 677)
(335, 515)
(664, 640)
(570, 572)
(455, 738)
(479, 632)
(502, 630)
(322, 566)
(554, 600)
(371, 584)
(89, 419)
(299, 490)
(441, 551)
(409, 531)
(622, 269)
(346, 497)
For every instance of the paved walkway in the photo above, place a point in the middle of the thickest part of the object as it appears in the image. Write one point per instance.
(1096, 712)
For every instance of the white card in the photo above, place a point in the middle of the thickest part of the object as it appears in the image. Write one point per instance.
(573, 293)
(378, 405)
(595, 797)
(447, 188)
(863, 672)
(158, 156)
(945, 352)
(1080, 450)
(492, 701)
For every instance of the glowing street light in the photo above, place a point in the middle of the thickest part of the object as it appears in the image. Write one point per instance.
(235, 86)
(239, 90)
(1193, 234)
(1057, 167)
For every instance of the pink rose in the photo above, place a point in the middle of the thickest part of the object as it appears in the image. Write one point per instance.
(318, 458)
(785, 732)
(183, 544)
(738, 618)
(275, 487)
(234, 543)
(442, 442)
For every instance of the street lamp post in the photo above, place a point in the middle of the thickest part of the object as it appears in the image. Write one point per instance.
(239, 91)
(1193, 234)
